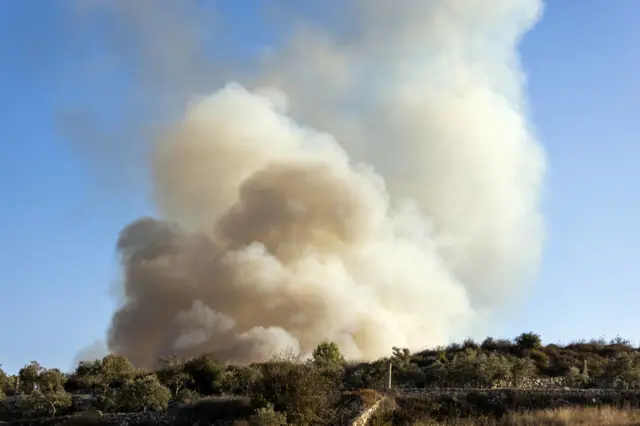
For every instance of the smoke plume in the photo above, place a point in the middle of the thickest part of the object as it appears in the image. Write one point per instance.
(374, 182)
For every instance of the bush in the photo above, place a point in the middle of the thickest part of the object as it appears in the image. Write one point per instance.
(239, 380)
(142, 395)
(298, 389)
(51, 380)
(39, 404)
(267, 416)
(4, 382)
(115, 370)
(327, 355)
(187, 396)
(497, 345)
(205, 374)
(28, 376)
(529, 341)
(172, 375)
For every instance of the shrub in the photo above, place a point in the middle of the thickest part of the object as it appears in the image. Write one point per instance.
(529, 341)
(205, 374)
(51, 380)
(39, 404)
(267, 416)
(172, 375)
(4, 382)
(623, 370)
(469, 344)
(327, 355)
(115, 370)
(187, 396)
(298, 389)
(28, 376)
(142, 395)
(239, 380)
(497, 345)
(539, 358)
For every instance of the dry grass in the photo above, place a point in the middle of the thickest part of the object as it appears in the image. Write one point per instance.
(367, 396)
(581, 416)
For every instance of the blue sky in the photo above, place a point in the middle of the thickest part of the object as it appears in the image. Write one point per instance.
(57, 259)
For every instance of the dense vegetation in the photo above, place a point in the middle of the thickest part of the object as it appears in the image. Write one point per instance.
(288, 390)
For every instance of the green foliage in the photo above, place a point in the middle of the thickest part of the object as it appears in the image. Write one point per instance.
(143, 394)
(205, 373)
(28, 376)
(298, 389)
(100, 375)
(187, 396)
(306, 393)
(51, 380)
(327, 355)
(4, 382)
(540, 359)
(497, 345)
(529, 341)
(469, 344)
(575, 378)
(172, 375)
(400, 356)
(116, 369)
(623, 370)
(267, 416)
(472, 366)
(39, 404)
(240, 380)
(367, 375)
(521, 369)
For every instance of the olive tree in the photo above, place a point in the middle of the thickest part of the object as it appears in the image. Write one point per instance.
(143, 394)
(51, 380)
(39, 404)
(172, 375)
(300, 390)
(28, 376)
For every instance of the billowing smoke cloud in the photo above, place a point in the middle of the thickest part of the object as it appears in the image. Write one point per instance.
(376, 184)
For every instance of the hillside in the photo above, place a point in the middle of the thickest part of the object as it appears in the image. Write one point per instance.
(500, 376)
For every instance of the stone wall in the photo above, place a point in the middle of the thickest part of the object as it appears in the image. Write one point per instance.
(364, 417)
(418, 403)
(492, 401)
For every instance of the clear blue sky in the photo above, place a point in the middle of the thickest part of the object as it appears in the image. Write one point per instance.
(57, 238)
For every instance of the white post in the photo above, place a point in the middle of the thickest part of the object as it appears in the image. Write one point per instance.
(390, 365)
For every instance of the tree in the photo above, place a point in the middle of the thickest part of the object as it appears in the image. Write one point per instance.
(4, 381)
(327, 355)
(298, 389)
(575, 378)
(115, 369)
(29, 377)
(529, 341)
(401, 356)
(89, 368)
(51, 380)
(143, 394)
(205, 373)
(39, 404)
(171, 373)
(623, 370)
(240, 379)
(521, 369)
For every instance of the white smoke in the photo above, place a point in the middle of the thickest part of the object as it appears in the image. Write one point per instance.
(378, 187)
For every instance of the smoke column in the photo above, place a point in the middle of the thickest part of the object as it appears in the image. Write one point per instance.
(376, 184)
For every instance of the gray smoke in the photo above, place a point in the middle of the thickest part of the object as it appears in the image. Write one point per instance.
(377, 186)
